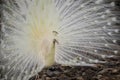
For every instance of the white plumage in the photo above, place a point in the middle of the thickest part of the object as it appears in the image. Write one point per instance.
(37, 33)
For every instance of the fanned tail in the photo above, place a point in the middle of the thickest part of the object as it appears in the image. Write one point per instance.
(23, 26)
(88, 32)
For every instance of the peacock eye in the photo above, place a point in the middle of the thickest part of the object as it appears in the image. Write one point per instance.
(55, 33)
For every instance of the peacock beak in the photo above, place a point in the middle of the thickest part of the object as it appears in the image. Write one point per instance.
(55, 40)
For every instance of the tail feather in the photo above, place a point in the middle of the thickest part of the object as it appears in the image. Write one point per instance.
(88, 32)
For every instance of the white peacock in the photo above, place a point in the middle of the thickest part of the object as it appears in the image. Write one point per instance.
(37, 33)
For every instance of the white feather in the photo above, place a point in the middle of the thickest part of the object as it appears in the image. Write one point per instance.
(85, 34)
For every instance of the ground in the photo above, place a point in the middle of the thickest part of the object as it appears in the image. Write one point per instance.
(102, 72)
